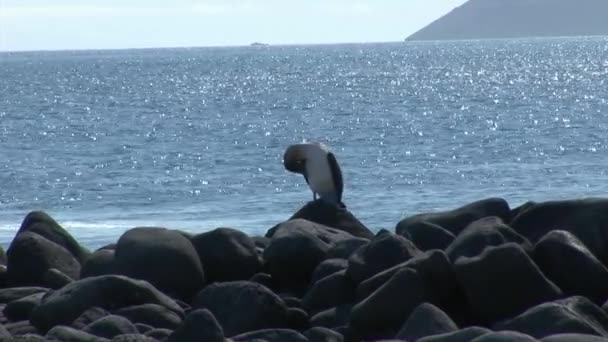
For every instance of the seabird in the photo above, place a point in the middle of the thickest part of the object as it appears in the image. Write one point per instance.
(320, 170)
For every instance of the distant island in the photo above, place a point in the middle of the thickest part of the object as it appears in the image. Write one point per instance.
(493, 19)
(258, 44)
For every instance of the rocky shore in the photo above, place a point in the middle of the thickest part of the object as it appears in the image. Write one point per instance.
(482, 272)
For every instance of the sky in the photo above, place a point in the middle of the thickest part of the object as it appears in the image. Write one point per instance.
(114, 24)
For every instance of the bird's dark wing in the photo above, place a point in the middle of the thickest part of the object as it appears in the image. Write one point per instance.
(336, 174)
(305, 174)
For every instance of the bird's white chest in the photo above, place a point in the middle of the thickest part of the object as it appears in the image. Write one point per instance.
(319, 175)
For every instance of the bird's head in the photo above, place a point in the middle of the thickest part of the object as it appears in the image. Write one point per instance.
(294, 159)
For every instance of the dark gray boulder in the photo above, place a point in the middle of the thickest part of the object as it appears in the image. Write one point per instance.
(328, 292)
(13, 293)
(110, 326)
(504, 336)
(320, 334)
(570, 315)
(296, 249)
(163, 257)
(242, 306)
(339, 218)
(462, 335)
(428, 236)
(101, 262)
(328, 267)
(109, 292)
(55, 279)
(271, 335)
(42, 224)
(503, 281)
(585, 218)
(20, 309)
(426, 320)
(380, 253)
(89, 316)
(227, 254)
(567, 262)
(133, 338)
(21, 328)
(343, 249)
(457, 219)
(574, 338)
(332, 318)
(65, 333)
(159, 334)
(155, 315)
(30, 255)
(199, 325)
(482, 233)
(382, 313)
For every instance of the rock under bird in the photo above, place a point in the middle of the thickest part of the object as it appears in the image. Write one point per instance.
(320, 170)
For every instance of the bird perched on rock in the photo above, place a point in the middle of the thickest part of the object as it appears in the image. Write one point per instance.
(320, 170)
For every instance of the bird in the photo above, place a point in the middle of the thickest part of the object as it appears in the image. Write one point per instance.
(320, 169)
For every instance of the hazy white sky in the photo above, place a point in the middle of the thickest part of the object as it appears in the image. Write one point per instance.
(85, 24)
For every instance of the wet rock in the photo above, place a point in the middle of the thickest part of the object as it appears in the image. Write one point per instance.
(111, 326)
(261, 241)
(30, 255)
(110, 292)
(271, 335)
(133, 338)
(379, 254)
(497, 289)
(298, 319)
(163, 257)
(227, 254)
(20, 309)
(21, 328)
(570, 315)
(482, 233)
(382, 313)
(426, 320)
(463, 335)
(330, 291)
(295, 250)
(159, 334)
(13, 293)
(320, 334)
(587, 219)
(65, 333)
(504, 336)
(332, 318)
(566, 261)
(89, 316)
(291, 301)
(101, 262)
(457, 219)
(144, 328)
(428, 236)
(199, 325)
(42, 224)
(322, 213)
(155, 315)
(328, 267)
(242, 306)
(55, 279)
(343, 249)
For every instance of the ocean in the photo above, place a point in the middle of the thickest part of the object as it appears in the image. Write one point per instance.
(193, 138)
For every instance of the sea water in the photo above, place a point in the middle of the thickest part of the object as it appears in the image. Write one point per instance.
(193, 138)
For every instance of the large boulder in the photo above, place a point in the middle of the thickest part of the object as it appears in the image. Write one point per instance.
(330, 291)
(199, 325)
(505, 336)
(320, 334)
(487, 231)
(457, 219)
(227, 254)
(339, 218)
(109, 292)
(296, 249)
(13, 293)
(271, 335)
(332, 318)
(428, 236)
(30, 255)
(21, 309)
(110, 326)
(343, 249)
(241, 306)
(462, 335)
(573, 338)
(64, 333)
(383, 252)
(101, 262)
(165, 258)
(586, 218)
(382, 313)
(328, 267)
(426, 320)
(567, 262)
(155, 315)
(503, 281)
(42, 224)
(570, 315)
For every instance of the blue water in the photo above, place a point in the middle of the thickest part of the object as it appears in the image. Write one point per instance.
(193, 138)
